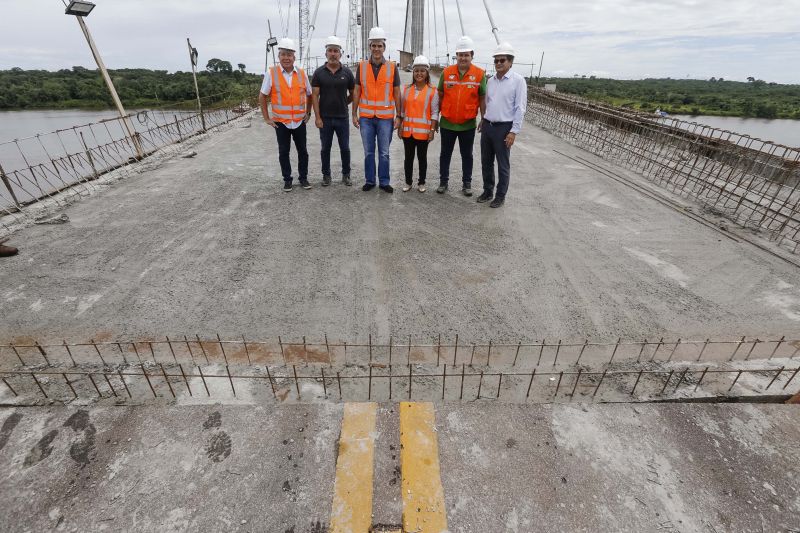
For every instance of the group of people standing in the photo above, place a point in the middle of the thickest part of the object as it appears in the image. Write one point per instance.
(417, 111)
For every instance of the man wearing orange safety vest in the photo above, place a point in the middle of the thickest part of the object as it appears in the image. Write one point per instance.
(376, 109)
(289, 92)
(462, 92)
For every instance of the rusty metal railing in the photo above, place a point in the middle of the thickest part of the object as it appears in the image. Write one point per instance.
(752, 182)
(66, 163)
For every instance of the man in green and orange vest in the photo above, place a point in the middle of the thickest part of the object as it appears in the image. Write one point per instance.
(462, 92)
(376, 109)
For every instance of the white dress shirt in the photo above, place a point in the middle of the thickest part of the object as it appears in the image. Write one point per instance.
(266, 88)
(506, 99)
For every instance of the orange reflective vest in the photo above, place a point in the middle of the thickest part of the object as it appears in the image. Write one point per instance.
(461, 101)
(288, 103)
(417, 112)
(377, 95)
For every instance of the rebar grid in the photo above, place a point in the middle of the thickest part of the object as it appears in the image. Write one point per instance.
(466, 383)
(62, 165)
(751, 181)
(523, 353)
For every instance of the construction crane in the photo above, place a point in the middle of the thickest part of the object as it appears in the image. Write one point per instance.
(302, 32)
(353, 24)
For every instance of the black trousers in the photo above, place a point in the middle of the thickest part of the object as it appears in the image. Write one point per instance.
(493, 147)
(466, 139)
(421, 147)
(285, 136)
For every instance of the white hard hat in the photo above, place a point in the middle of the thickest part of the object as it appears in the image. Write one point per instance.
(504, 49)
(421, 61)
(465, 44)
(377, 33)
(287, 44)
(333, 41)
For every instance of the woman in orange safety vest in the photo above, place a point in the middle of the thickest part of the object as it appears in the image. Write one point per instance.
(420, 105)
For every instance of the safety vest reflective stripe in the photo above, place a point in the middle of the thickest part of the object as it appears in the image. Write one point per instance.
(416, 115)
(370, 90)
(288, 103)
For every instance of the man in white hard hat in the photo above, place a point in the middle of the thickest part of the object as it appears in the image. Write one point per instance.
(332, 87)
(289, 92)
(462, 92)
(376, 109)
(506, 100)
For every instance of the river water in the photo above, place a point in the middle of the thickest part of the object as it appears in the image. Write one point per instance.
(20, 147)
(780, 131)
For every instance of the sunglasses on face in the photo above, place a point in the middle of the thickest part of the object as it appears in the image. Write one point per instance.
(500, 60)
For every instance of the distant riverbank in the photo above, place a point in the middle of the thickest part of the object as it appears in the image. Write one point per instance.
(714, 97)
(81, 88)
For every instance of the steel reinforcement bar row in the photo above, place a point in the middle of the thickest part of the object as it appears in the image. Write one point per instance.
(363, 385)
(523, 353)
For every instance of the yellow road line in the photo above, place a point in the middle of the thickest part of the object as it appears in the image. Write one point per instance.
(423, 496)
(352, 499)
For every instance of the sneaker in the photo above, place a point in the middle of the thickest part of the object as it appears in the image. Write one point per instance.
(467, 191)
(346, 179)
(387, 188)
(407, 187)
(305, 184)
(421, 187)
(485, 197)
(368, 187)
(497, 202)
(442, 189)
(326, 180)
(287, 186)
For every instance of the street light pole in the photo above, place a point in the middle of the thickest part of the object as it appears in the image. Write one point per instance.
(193, 59)
(126, 121)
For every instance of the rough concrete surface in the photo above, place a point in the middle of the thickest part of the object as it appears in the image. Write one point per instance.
(643, 468)
(211, 244)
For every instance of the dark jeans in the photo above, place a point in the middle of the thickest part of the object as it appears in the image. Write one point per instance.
(341, 127)
(465, 141)
(421, 147)
(285, 136)
(493, 147)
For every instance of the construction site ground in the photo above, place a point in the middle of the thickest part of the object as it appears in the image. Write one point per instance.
(212, 245)
(504, 468)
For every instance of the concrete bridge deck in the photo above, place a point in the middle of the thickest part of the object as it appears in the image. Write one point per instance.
(212, 244)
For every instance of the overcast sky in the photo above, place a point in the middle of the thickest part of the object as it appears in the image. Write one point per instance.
(732, 39)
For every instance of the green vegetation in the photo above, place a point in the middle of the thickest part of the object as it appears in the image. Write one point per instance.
(755, 98)
(84, 88)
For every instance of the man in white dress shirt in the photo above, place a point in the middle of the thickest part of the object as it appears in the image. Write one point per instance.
(287, 90)
(506, 99)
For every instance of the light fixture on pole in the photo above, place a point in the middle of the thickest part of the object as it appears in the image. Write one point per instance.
(193, 59)
(81, 9)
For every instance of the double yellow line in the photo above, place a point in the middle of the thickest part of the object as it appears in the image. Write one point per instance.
(423, 496)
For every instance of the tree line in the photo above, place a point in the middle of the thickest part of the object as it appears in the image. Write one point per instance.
(81, 87)
(716, 96)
